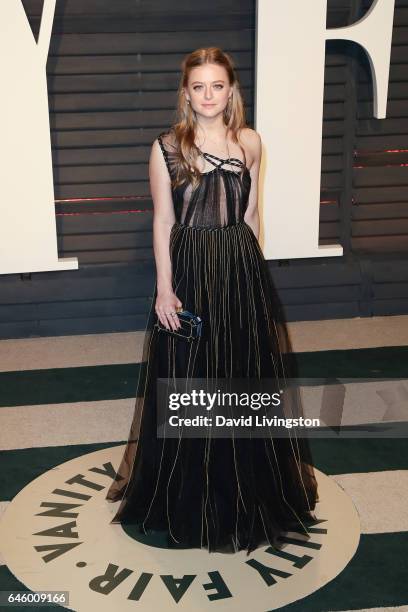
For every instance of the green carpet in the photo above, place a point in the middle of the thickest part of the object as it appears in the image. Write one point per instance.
(93, 383)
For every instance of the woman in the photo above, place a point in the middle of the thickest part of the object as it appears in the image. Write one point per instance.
(220, 494)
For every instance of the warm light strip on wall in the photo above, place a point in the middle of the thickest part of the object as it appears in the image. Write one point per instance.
(109, 212)
(379, 152)
(103, 199)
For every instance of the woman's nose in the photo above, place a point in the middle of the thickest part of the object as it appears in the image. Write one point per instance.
(208, 93)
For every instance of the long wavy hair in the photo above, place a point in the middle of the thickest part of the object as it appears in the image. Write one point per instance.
(186, 122)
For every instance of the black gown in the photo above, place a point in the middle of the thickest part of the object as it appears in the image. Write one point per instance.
(219, 494)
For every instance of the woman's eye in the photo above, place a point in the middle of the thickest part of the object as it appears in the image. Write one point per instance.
(218, 86)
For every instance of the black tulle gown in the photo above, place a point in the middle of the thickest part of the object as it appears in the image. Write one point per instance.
(219, 494)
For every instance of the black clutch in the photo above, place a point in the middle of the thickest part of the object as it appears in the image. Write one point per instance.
(190, 326)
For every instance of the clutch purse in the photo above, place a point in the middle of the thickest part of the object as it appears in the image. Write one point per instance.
(190, 326)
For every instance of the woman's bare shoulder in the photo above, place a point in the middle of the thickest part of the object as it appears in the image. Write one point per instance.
(251, 141)
(249, 137)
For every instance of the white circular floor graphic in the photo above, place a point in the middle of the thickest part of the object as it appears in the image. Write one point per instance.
(74, 548)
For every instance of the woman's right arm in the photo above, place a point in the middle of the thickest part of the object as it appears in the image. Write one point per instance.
(163, 220)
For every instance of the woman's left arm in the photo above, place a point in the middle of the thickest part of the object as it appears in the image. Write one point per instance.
(254, 146)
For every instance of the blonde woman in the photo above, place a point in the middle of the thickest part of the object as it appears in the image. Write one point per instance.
(221, 494)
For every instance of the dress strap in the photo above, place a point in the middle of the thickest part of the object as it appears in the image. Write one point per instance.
(164, 151)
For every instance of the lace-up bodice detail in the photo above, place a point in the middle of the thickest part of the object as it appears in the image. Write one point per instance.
(221, 197)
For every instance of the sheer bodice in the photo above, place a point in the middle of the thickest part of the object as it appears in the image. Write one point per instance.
(221, 197)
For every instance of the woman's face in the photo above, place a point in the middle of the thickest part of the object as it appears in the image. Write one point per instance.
(208, 89)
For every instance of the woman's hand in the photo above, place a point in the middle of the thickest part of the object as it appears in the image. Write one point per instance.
(166, 303)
